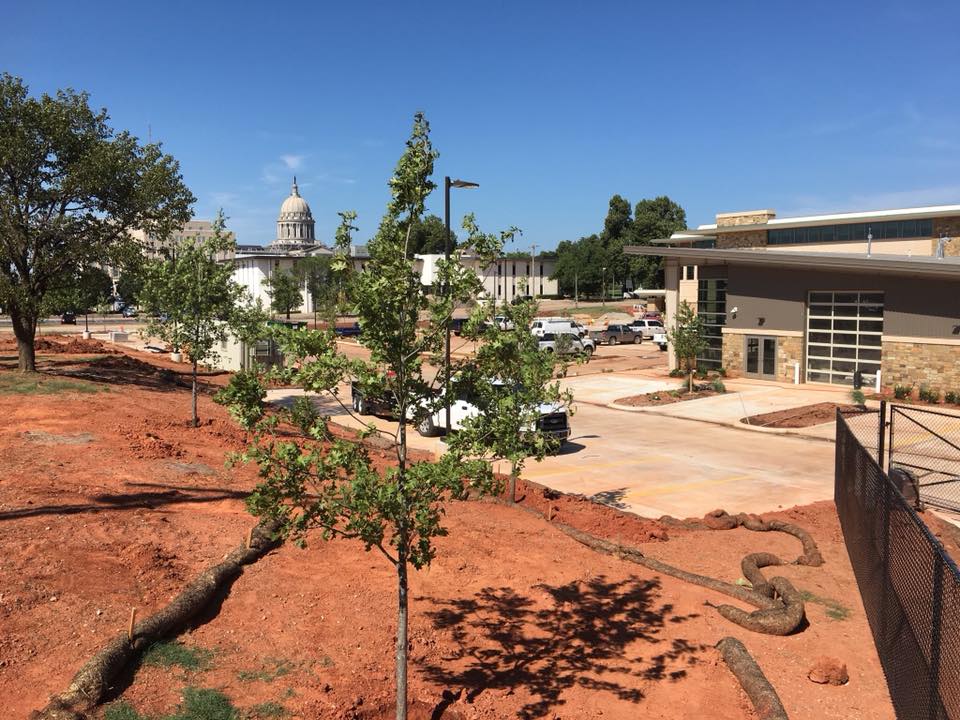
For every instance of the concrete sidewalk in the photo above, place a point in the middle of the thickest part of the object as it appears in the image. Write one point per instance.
(743, 399)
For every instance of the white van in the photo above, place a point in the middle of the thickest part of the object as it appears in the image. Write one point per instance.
(556, 325)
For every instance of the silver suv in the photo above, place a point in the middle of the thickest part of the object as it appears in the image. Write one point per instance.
(567, 344)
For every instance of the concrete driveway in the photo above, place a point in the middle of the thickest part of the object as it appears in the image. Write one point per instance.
(657, 465)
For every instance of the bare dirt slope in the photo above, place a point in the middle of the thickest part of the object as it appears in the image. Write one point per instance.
(108, 501)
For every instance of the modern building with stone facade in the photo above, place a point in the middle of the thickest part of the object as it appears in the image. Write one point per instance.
(820, 298)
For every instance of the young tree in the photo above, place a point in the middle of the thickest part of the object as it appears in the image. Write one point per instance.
(71, 189)
(285, 290)
(334, 487)
(688, 339)
(315, 273)
(195, 302)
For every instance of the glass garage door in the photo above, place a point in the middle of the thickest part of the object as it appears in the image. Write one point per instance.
(844, 331)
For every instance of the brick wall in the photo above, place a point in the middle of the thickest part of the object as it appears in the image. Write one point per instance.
(921, 364)
(745, 239)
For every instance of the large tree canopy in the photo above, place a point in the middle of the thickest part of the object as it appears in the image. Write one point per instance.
(581, 263)
(71, 189)
(427, 236)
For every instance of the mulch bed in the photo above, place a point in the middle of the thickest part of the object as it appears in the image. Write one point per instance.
(664, 397)
(801, 417)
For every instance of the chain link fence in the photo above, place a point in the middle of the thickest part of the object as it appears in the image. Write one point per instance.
(927, 444)
(909, 585)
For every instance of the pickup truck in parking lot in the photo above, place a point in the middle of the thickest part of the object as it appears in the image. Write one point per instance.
(616, 334)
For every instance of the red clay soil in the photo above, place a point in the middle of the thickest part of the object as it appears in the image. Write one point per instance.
(800, 417)
(109, 501)
(664, 397)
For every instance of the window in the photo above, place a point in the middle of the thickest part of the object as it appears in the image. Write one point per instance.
(712, 309)
(688, 272)
(851, 232)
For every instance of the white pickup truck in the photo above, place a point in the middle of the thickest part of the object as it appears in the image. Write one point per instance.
(652, 330)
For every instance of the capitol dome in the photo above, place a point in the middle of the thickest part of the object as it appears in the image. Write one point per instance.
(295, 222)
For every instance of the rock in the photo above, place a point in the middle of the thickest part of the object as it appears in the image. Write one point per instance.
(829, 671)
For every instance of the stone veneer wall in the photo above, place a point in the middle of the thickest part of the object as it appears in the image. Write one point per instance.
(951, 228)
(789, 351)
(745, 239)
(750, 217)
(921, 364)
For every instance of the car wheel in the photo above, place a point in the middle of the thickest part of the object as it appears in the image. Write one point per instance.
(361, 405)
(612, 341)
(426, 427)
(663, 348)
(588, 351)
(637, 339)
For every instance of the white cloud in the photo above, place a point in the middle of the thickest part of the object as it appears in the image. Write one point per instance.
(293, 162)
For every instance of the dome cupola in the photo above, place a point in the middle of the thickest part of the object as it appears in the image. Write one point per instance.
(295, 222)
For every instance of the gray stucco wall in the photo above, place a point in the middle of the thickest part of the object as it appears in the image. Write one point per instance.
(914, 307)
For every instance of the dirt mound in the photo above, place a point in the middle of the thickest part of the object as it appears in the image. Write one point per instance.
(152, 447)
(73, 346)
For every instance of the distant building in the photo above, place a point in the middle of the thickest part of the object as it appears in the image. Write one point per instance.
(506, 278)
(154, 247)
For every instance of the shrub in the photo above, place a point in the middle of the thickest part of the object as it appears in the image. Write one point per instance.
(858, 397)
(952, 397)
(718, 385)
(676, 372)
(722, 371)
(929, 395)
(902, 392)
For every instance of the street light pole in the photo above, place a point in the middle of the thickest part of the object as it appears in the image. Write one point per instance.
(447, 184)
(533, 271)
(603, 287)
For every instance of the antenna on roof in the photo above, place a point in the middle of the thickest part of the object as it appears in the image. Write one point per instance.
(869, 241)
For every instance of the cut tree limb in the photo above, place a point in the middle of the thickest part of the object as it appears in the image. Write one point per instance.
(751, 678)
(94, 679)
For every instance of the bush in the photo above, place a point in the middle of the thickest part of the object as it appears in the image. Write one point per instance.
(902, 392)
(676, 372)
(858, 397)
(952, 397)
(929, 395)
(718, 386)
(722, 371)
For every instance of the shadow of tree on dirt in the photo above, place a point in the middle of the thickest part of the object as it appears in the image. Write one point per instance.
(144, 499)
(611, 498)
(582, 634)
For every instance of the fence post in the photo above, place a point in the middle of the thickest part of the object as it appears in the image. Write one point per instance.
(881, 433)
(936, 621)
(893, 412)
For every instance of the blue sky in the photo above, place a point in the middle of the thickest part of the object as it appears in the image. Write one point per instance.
(551, 106)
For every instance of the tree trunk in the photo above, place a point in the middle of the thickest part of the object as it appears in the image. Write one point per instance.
(25, 329)
(193, 392)
(512, 484)
(689, 380)
(402, 634)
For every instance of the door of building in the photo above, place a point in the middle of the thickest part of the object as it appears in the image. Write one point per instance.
(761, 357)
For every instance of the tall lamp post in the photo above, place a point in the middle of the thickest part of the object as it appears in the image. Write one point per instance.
(603, 287)
(447, 184)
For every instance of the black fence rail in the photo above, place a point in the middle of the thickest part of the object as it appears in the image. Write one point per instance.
(927, 444)
(909, 585)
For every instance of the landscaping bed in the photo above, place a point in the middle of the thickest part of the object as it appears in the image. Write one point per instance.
(512, 618)
(801, 417)
(667, 397)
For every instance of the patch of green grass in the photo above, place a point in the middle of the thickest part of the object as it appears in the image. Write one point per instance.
(121, 710)
(272, 669)
(204, 704)
(171, 654)
(16, 383)
(835, 610)
(267, 711)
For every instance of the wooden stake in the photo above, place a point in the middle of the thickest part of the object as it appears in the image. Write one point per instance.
(249, 537)
(133, 619)
(550, 512)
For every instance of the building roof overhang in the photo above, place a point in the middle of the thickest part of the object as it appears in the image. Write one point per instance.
(710, 230)
(923, 266)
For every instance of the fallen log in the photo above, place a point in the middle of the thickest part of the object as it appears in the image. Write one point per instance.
(781, 620)
(94, 679)
(762, 694)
